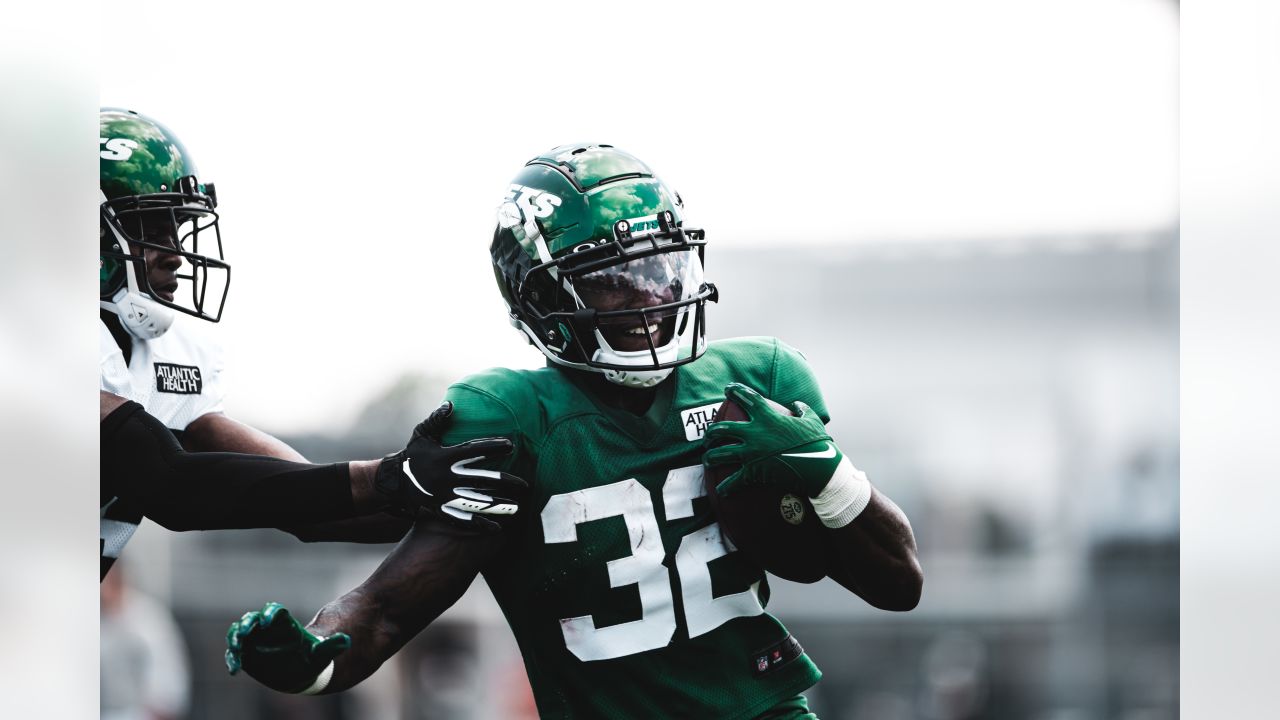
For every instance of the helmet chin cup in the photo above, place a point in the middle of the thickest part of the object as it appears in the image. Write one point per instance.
(644, 375)
(637, 378)
(141, 316)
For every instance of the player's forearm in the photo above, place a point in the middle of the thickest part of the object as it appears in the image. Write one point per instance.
(232, 491)
(364, 496)
(142, 460)
(419, 580)
(375, 528)
(874, 556)
(374, 638)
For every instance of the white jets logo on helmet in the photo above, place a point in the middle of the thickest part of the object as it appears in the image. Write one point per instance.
(117, 148)
(523, 202)
(642, 225)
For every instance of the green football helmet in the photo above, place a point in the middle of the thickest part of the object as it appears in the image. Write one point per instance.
(155, 214)
(596, 267)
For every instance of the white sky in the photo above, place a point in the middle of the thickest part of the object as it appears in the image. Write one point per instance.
(360, 151)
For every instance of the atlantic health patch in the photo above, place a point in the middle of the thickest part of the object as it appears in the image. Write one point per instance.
(178, 379)
(695, 420)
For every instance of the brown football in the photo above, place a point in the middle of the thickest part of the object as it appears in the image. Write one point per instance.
(779, 531)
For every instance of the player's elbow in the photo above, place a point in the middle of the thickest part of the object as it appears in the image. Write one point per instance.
(305, 533)
(179, 511)
(896, 588)
(172, 518)
(904, 589)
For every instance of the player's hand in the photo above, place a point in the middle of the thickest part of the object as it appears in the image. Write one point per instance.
(274, 649)
(792, 452)
(430, 479)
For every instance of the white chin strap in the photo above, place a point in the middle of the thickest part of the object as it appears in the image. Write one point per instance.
(143, 317)
(638, 378)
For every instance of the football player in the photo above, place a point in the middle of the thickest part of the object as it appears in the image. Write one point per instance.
(161, 385)
(623, 595)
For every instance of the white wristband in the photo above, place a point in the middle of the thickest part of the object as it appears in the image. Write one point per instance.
(844, 497)
(322, 681)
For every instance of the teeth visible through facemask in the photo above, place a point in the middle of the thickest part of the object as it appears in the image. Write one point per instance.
(653, 329)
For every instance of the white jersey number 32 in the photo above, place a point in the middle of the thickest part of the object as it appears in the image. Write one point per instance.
(643, 567)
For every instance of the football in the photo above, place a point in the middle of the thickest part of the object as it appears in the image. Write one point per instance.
(777, 530)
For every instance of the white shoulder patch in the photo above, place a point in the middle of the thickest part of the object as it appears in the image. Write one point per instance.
(695, 420)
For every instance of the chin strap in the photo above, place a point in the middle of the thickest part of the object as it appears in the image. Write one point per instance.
(636, 378)
(627, 378)
(644, 375)
(141, 316)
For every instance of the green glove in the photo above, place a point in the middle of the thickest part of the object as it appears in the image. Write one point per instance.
(280, 653)
(791, 452)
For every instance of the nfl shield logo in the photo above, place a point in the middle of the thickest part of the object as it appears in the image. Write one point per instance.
(762, 663)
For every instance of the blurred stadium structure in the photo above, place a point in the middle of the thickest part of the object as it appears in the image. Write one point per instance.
(1018, 399)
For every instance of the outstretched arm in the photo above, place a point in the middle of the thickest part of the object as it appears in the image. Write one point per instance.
(218, 432)
(376, 528)
(143, 461)
(422, 577)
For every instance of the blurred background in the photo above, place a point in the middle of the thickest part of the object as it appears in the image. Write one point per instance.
(966, 217)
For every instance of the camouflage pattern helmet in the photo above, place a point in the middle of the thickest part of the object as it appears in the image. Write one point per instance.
(597, 268)
(152, 199)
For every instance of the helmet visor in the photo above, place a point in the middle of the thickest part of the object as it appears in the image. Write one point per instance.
(642, 303)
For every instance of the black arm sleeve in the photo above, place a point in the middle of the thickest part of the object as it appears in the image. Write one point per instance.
(142, 460)
(374, 528)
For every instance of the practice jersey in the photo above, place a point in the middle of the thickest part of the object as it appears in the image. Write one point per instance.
(176, 377)
(624, 596)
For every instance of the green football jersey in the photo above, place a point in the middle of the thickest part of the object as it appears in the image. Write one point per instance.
(625, 599)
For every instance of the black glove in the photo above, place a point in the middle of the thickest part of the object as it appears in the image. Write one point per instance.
(429, 479)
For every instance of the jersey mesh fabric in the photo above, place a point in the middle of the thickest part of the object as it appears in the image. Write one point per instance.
(118, 519)
(794, 708)
(622, 595)
(182, 346)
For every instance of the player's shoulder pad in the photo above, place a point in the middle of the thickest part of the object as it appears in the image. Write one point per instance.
(755, 345)
(787, 356)
(495, 402)
(778, 370)
(750, 358)
(199, 342)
